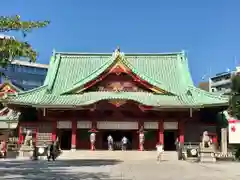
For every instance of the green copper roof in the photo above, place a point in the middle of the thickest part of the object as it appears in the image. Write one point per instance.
(41, 97)
(168, 71)
(69, 71)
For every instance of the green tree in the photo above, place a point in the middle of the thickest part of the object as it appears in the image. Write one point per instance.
(10, 47)
(234, 102)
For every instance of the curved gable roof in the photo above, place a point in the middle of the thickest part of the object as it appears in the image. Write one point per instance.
(167, 71)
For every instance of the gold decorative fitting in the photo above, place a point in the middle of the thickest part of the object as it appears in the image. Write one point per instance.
(116, 86)
(119, 68)
(117, 103)
(7, 88)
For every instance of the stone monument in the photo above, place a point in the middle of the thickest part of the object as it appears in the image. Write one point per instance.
(207, 150)
(26, 149)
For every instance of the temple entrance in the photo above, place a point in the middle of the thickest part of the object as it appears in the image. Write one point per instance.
(151, 139)
(65, 137)
(83, 139)
(117, 136)
(169, 140)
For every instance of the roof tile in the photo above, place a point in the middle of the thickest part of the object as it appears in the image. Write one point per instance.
(166, 71)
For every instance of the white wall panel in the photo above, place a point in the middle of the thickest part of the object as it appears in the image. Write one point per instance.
(84, 124)
(150, 125)
(64, 124)
(117, 125)
(170, 125)
(5, 125)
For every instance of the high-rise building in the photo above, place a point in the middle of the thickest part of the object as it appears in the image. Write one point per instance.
(221, 82)
(24, 74)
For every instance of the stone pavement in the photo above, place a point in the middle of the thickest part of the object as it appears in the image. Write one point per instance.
(116, 166)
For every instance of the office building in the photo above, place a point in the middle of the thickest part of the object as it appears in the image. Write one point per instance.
(221, 82)
(23, 74)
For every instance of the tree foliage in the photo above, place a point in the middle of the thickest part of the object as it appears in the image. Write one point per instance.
(10, 47)
(234, 102)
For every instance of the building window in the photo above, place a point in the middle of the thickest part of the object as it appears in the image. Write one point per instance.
(31, 83)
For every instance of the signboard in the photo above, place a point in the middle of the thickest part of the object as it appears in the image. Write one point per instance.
(170, 125)
(117, 125)
(64, 124)
(234, 131)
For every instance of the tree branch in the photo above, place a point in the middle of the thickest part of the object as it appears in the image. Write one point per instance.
(11, 48)
(13, 23)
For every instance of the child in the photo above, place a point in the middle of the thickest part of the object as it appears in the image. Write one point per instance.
(160, 150)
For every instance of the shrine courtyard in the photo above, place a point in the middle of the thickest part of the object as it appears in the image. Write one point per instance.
(103, 165)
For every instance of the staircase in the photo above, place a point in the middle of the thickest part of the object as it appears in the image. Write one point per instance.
(44, 134)
(207, 154)
(120, 155)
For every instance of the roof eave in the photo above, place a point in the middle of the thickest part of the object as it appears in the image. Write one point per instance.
(179, 107)
(41, 105)
(216, 104)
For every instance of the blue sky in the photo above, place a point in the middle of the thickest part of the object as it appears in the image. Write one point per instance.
(208, 30)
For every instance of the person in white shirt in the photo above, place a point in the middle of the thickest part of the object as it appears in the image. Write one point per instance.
(110, 143)
(92, 140)
(141, 141)
(160, 150)
(124, 143)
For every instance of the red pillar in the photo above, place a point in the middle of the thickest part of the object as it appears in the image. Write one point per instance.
(54, 130)
(181, 131)
(214, 139)
(74, 131)
(20, 135)
(160, 132)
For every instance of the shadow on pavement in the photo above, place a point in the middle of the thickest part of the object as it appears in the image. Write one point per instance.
(12, 154)
(60, 169)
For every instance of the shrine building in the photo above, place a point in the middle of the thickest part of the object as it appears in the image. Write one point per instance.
(8, 117)
(117, 94)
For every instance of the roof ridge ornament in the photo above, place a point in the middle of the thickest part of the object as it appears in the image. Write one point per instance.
(53, 52)
(117, 53)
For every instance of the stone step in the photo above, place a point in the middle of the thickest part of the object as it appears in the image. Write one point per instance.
(207, 157)
(207, 150)
(125, 155)
(210, 159)
(207, 154)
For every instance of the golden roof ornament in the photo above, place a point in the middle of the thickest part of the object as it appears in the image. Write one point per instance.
(117, 52)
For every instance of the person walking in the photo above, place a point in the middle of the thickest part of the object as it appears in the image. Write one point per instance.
(51, 152)
(160, 151)
(57, 148)
(110, 143)
(124, 143)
